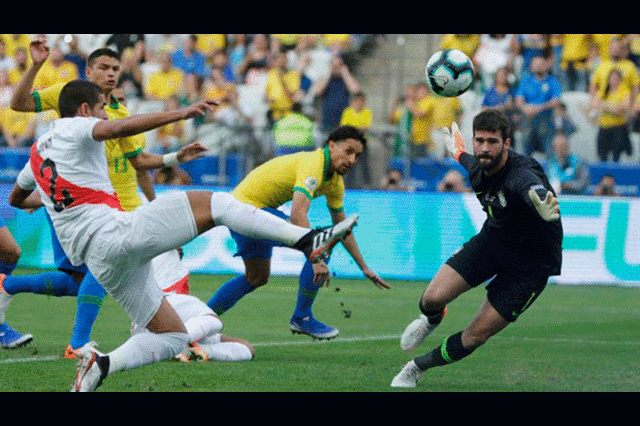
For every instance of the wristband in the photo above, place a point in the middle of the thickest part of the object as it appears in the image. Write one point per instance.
(170, 159)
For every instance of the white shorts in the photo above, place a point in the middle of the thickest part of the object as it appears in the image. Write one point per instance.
(185, 305)
(120, 252)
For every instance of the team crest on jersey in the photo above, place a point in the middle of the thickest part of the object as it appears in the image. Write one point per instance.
(502, 199)
(311, 183)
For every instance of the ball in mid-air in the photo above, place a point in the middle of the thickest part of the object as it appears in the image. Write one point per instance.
(449, 72)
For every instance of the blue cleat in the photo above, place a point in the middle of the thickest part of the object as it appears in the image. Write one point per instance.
(312, 327)
(10, 339)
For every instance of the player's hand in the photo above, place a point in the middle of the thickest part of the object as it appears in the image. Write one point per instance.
(321, 275)
(200, 108)
(191, 152)
(379, 282)
(39, 50)
(454, 140)
(548, 209)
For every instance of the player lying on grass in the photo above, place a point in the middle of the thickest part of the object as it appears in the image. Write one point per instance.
(68, 167)
(518, 248)
(206, 342)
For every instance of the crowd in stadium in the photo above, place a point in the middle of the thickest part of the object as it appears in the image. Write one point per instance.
(284, 92)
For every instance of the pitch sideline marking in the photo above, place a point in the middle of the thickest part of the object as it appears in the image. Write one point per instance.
(362, 339)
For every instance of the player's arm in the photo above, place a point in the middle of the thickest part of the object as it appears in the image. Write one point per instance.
(352, 248)
(136, 124)
(21, 99)
(456, 146)
(146, 184)
(22, 194)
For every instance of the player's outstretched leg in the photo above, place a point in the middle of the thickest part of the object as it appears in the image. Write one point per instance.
(9, 338)
(226, 210)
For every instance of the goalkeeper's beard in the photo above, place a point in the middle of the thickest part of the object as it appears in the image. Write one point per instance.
(493, 160)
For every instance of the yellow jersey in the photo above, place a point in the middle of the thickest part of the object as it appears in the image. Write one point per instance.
(163, 85)
(280, 103)
(122, 174)
(630, 76)
(421, 125)
(360, 119)
(273, 183)
(618, 97)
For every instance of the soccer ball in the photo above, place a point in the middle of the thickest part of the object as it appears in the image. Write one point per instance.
(449, 73)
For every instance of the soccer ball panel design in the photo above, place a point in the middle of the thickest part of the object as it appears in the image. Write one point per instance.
(449, 73)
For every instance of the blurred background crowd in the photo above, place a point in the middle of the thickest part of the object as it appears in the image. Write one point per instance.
(572, 99)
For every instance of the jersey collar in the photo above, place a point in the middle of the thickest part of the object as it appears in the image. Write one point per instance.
(114, 103)
(327, 162)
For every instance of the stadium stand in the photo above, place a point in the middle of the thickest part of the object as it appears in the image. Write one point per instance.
(386, 66)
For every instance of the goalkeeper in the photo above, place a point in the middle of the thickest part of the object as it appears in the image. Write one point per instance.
(518, 248)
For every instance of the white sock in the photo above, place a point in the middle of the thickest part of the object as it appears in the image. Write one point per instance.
(251, 221)
(202, 326)
(227, 351)
(146, 348)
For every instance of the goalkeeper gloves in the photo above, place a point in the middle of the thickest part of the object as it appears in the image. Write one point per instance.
(454, 141)
(547, 209)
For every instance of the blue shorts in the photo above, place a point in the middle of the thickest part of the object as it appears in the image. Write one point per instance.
(251, 248)
(59, 257)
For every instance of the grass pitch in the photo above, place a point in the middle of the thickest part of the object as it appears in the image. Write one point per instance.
(573, 339)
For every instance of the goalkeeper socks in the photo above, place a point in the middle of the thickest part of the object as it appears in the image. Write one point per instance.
(434, 317)
(451, 350)
(229, 294)
(50, 283)
(307, 292)
(90, 297)
(7, 267)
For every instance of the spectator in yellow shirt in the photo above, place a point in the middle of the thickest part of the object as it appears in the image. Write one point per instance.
(618, 53)
(444, 112)
(282, 88)
(356, 114)
(360, 117)
(422, 111)
(56, 70)
(576, 49)
(18, 128)
(171, 136)
(22, 63)
(15, 42)
(166, 82)
(612, 107)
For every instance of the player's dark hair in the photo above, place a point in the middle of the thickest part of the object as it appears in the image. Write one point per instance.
(76, 93)
(343, 133)
(103, 51)
(492, 120)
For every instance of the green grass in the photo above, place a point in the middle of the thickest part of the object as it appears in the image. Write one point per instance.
(582, 338)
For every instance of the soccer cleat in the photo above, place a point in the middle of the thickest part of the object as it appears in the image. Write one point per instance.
(408, 377)
(89, 375)
(11, 339)
(182, 357)
(70, 353)
(317, 243)
(312, 327)
(197, 353)
(417, 331)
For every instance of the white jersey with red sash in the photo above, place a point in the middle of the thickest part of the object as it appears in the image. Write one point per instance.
(69, 169)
